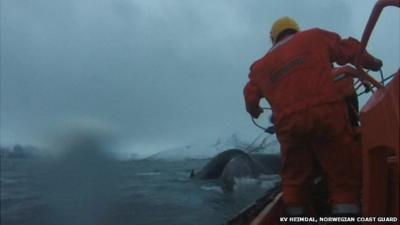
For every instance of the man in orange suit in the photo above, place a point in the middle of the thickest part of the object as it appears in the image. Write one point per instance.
(310, 116)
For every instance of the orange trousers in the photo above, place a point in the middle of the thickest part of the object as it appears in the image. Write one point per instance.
(320, 139)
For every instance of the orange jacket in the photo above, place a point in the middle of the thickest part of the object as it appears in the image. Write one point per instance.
(296, 72)
(345, 87)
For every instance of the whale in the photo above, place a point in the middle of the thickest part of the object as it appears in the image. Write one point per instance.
(236, 163)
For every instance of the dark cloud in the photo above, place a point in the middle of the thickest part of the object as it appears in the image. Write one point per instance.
(153, 70)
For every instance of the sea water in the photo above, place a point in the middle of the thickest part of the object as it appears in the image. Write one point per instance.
(90, 191)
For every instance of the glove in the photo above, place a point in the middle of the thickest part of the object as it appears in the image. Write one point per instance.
(256, 113)
(370, 62)
(376, 65)
(271, 130)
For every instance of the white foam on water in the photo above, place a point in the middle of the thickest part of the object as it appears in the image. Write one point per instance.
(268, 184)
(214, 188)
(246, 181)
(263, 182)
(270, 177)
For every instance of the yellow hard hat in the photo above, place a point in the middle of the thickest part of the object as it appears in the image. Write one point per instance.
(283, 24)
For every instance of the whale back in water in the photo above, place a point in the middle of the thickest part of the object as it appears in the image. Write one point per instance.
(214, 168)
(269, 163)
(237, 163)
(239, 166)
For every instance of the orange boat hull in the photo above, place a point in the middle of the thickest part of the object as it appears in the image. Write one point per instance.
(380, 140)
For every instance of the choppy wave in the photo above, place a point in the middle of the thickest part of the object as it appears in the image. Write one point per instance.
(82, 190)
(149, 173)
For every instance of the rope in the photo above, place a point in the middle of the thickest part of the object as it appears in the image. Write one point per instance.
(389, 77)
(253, 143)
(265, 140)
(382, 78)
(270, 130)
(367, 90)
(258, 125)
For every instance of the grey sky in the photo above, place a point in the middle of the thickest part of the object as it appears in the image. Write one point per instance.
(158, 73)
